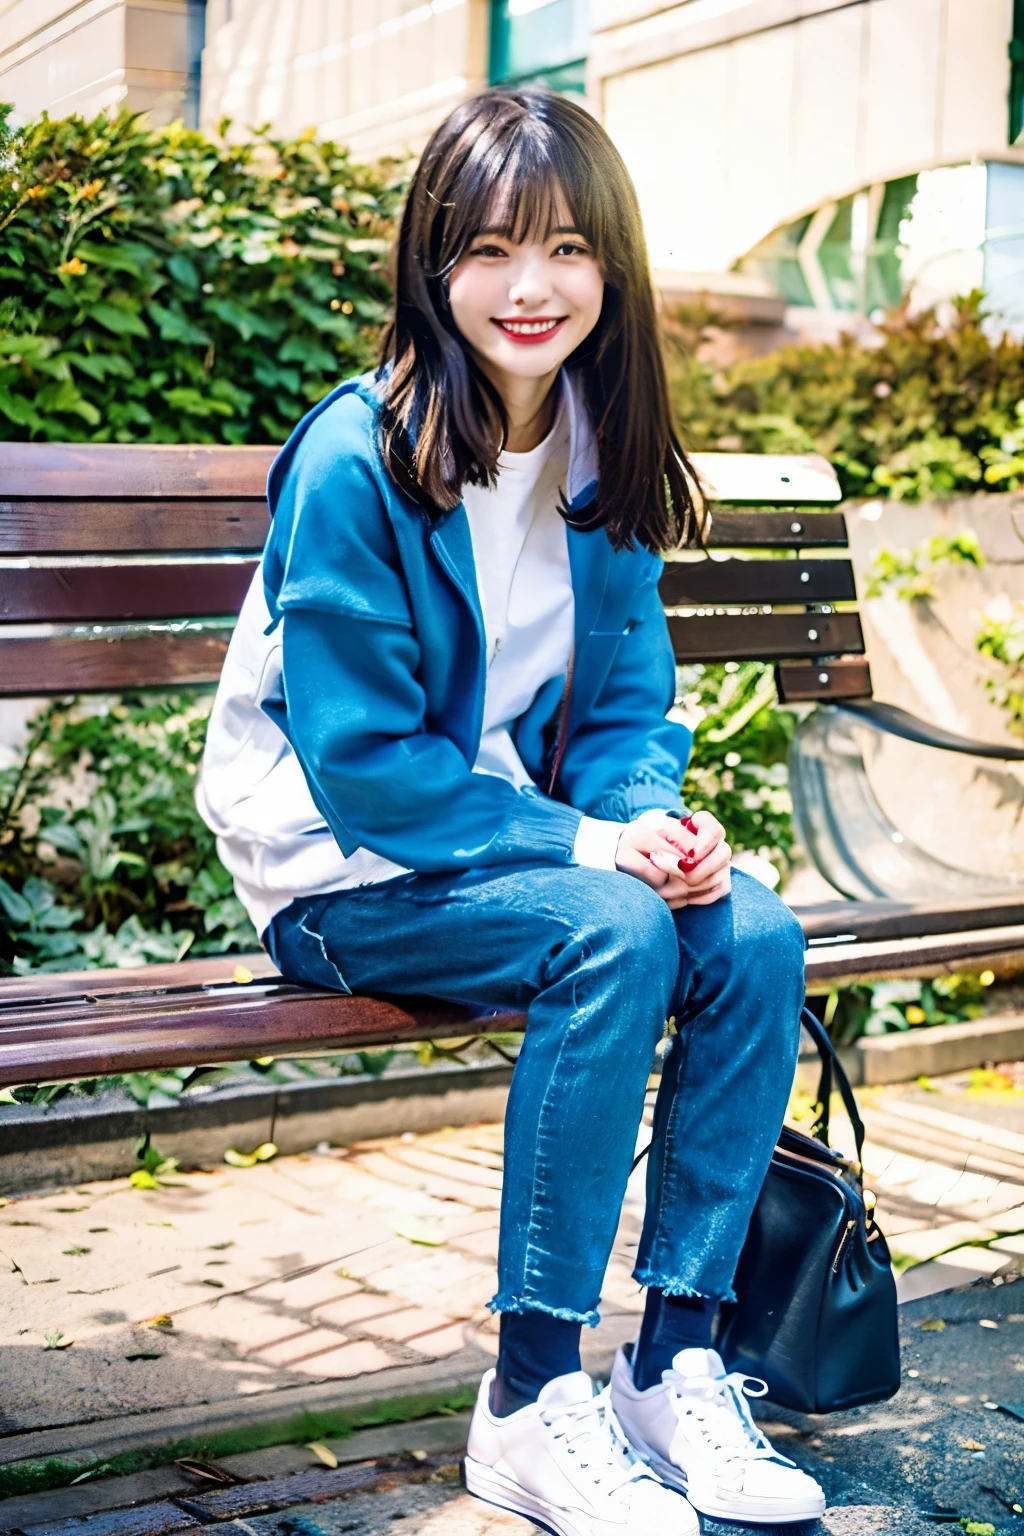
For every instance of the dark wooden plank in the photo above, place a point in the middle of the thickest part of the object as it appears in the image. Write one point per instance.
(702, 582)
(74, 664)
(40, 988)
(841, 965)
(90, 526)
(71, 593)
(870, 921)
(151, 1520)
(777, 530)
(842, 679)
(764, 636)
(76, 1038)
(133, 469)
(310, 1487)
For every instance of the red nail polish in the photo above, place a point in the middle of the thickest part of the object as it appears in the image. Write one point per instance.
(687, 861)
(690, 825)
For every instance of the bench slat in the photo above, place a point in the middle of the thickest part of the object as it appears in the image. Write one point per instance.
(134, 469)
(777, 530)
(73, 664)
(272, 1020)
(765, 636)
(791, 479)
(700, 582)
(90, 527)
(841, 679)
(72, 593)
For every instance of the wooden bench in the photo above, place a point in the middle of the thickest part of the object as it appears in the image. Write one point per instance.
(123, 568)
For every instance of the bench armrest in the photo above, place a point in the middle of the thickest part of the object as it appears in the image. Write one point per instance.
(897, 722)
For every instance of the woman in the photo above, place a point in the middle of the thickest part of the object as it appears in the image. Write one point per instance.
(441, 762)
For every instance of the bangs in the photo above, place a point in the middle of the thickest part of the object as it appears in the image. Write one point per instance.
(516, 181)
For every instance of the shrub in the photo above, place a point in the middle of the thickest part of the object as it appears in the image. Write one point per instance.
(104, 859)
(163, 286)
(927, 409)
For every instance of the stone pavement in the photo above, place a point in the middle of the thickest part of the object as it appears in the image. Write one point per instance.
(350, 1276)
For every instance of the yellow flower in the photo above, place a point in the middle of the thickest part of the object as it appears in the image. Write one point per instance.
(915, 1015)
(987, 978)
(92, 188)
(347, 307)
(73, 268)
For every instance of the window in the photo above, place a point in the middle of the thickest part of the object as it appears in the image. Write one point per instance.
(543, 42)
(1017, 73)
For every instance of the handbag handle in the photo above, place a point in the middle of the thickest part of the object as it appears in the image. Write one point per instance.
(832, 1067)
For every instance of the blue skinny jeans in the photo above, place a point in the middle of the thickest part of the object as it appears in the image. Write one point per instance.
(597, 962)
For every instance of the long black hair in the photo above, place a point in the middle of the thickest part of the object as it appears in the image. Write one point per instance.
(507, 159)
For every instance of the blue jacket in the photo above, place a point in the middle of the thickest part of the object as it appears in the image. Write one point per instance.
(384, 662)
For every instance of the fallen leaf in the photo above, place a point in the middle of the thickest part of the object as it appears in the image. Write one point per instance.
(322, 1453)
(263, 1061)
(159, 1223)
(3, 1201)
(415, 1230)
(218, 1285)
(204, 1469)
(73, 1252)
(217, 1247)
(162, 1320)
(145, 1354)
(56, 1340)
(986, 1322)
(262, 1154)
(242, 975)
(140, 1179)
(972, 1445)
(92, 1472)
(69, 1210)
(980, 1528)
(932, 1325)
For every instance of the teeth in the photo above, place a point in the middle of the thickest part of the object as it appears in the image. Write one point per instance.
(528, 327)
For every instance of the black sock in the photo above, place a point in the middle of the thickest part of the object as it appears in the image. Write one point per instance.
(671, 1323)
(533, 1348)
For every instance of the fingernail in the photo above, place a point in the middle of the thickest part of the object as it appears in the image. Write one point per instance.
(687, 861)
(690, 825)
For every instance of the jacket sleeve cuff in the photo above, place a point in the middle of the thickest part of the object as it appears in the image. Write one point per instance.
(596, 842)
(629, 801)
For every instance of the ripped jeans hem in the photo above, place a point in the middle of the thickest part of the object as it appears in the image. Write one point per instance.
(671, 1287)
(521, 1304)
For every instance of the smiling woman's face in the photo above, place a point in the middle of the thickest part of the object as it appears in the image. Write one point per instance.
(524, 306)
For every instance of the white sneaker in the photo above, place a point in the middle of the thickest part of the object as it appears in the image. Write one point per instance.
(696, 1431)
(564, 1463)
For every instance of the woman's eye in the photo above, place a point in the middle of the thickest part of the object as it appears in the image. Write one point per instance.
(487, 250)
(571, 248)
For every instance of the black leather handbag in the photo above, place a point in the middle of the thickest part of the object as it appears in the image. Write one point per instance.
(815, 1315)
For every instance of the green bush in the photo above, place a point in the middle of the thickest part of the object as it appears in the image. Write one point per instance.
(930, 409)
(738, 768)
(163, 286)
(104, 859)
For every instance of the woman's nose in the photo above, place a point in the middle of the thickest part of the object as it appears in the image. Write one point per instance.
(531, 284)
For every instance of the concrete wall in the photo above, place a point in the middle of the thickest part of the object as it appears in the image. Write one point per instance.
(377, 74)
(97, 54)
(736, 116)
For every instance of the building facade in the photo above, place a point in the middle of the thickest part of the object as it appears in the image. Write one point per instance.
(820, 157)
(833, 152)
(87, 56)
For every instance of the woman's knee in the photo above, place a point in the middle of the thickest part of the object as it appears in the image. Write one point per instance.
(620, 924)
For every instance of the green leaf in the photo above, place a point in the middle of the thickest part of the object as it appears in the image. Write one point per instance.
(119, 319)
(174, 325)
(17, 409)
(247, 322)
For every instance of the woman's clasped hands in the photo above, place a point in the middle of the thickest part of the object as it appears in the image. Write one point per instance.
(686, 862)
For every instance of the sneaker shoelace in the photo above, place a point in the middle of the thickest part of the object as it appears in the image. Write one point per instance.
(717, 1407)
(592, 1433)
